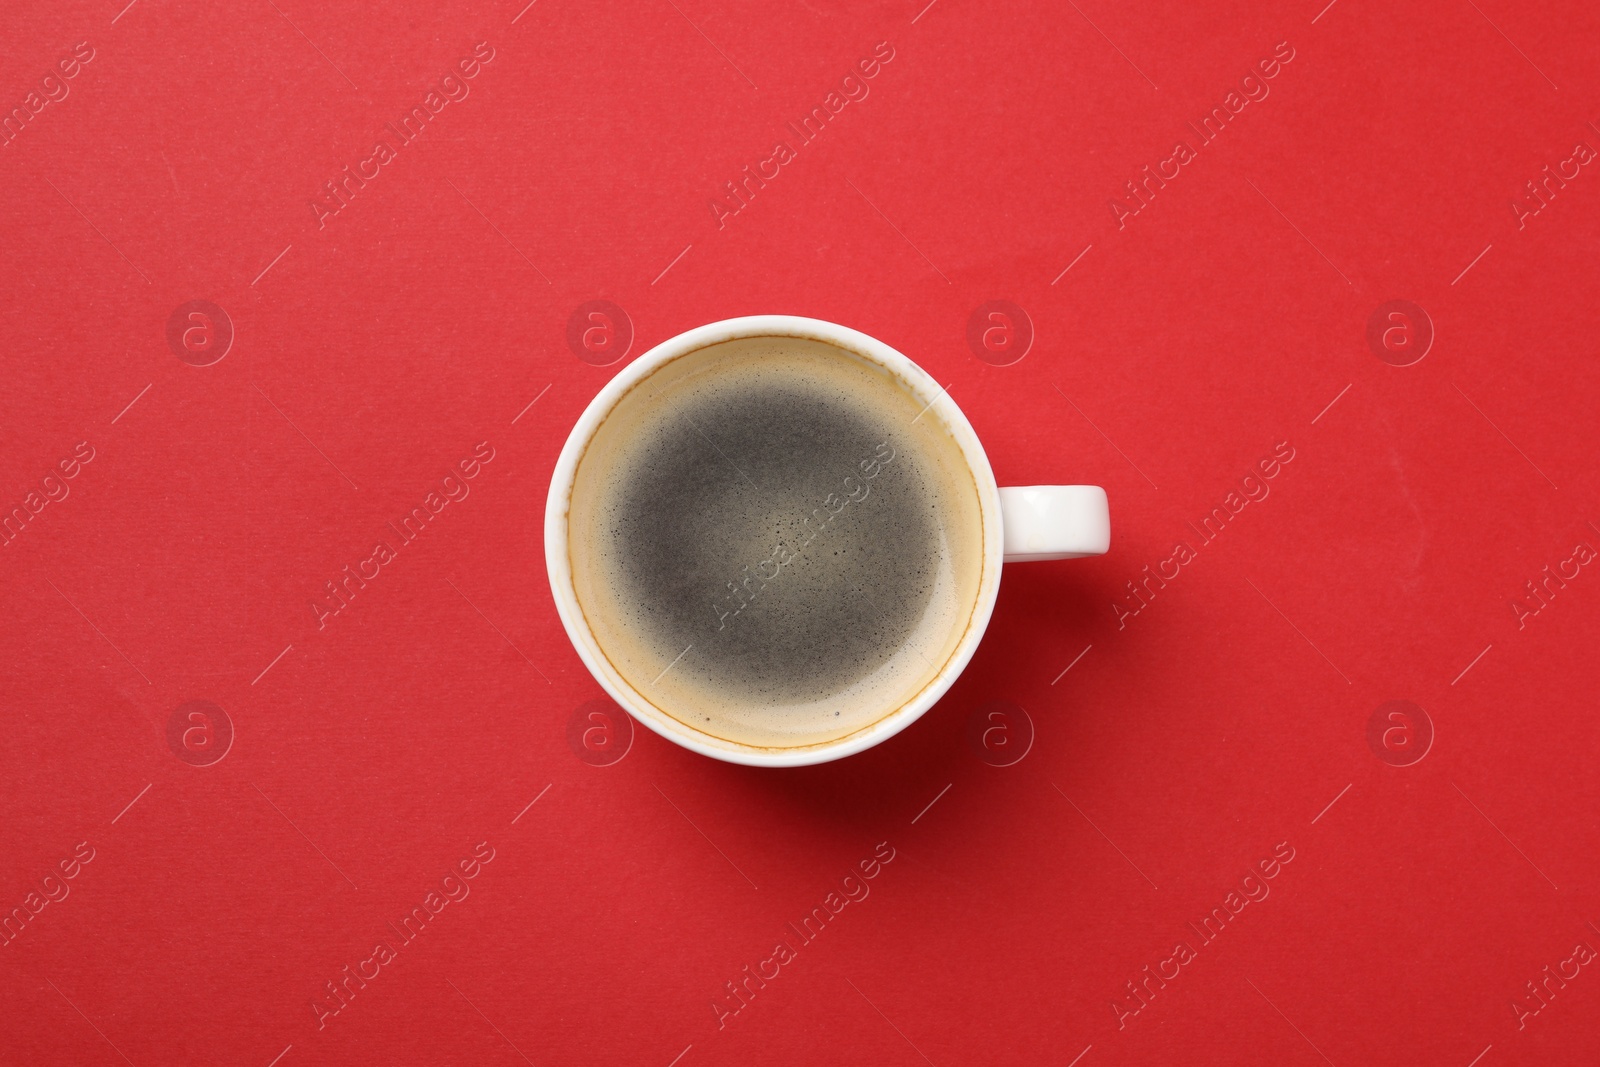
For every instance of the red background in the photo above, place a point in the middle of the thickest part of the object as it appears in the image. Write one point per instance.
(371, 354)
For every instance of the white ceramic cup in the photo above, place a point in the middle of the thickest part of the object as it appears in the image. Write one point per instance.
(1034, 522)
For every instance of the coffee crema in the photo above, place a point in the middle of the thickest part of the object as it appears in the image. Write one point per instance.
(783, 547)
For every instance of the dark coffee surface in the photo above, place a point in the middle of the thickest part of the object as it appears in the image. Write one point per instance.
(780, 533)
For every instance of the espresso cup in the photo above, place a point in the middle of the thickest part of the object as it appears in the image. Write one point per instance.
(777, 541)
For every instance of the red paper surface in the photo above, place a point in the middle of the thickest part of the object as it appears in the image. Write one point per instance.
(1232, 318)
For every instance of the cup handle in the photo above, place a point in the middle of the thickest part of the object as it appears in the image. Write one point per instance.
(1054, 522)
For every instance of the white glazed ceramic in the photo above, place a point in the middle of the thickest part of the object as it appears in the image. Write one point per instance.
(1023, 523)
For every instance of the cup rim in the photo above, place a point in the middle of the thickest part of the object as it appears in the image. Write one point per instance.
(558, 562)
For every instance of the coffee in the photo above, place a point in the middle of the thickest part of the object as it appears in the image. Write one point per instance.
(774, 541)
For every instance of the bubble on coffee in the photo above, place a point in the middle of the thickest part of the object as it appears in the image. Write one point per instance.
(783, 546)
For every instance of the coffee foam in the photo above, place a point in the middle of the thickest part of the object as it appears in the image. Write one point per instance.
(772, 541)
